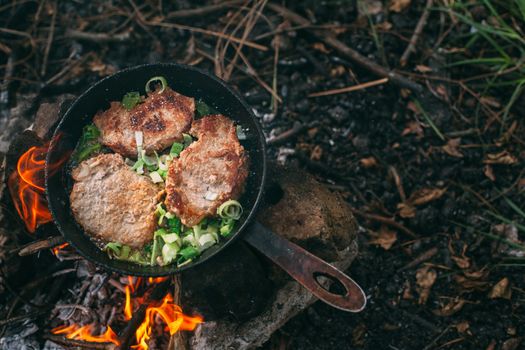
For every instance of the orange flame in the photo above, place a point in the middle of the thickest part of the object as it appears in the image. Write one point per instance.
(56, 250)
(169, 313)
(26, 186)
(86, 333)
(129, 289)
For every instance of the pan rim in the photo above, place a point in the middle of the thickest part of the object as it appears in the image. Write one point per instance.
(168, 269)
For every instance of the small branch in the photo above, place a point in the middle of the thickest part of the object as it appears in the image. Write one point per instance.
(23, 317)
(126, 337)
(177, 340)
(49, 40)
(39, 245)
(297, 128)
(351, 54)
(98, 37)
(417, 33)
(422, 257)
(72, 343)
(203, 10)
(349, 88)
(385, 220)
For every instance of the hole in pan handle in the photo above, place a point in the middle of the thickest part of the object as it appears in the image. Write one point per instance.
(307, 269)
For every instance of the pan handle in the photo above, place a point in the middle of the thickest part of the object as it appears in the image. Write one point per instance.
(306, 268)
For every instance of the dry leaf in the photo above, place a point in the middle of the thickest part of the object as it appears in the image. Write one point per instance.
(407, 293)
(385, 26)
(462, 261)
(501, 290)
(368, 162)
(411, 106)
(317, 153)
(413, 127)
(425, 278)
(406, 210)
(451, 308)
(320, 47)
(423, 69)
(489, 172)
(425, 195)
(503, 157)
(469, 285)
(451, 148)
(462, 327)
(337, 71)
(386, 238)
(510, 233)
(398, 5)
(442, 90)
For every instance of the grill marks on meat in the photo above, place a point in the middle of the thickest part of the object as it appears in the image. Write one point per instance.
(112, 202)
(162, 118)
(210, 171)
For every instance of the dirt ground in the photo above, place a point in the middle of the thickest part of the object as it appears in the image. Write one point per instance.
(435, 176)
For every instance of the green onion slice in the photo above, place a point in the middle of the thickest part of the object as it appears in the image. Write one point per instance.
(187, 139)
(231, 209)
(131, 99)
(169, 252)
(176, 148)
(188, 253)
(160, 79)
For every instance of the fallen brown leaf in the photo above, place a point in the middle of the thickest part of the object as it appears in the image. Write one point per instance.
(489, 172)
(503, 157)
(317, 153)
(501, 290)
(469, 285)
(451, 148)
(451, 308)
(368, 162)
(398, 5)
(320, 47)
(425, 195)
(462, 327)
(423, 69)
(406, 211)
(425, 279)
(462, 260)
(385, 238)
(413, 127)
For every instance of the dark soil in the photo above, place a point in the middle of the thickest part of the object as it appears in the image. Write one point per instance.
(375, 145)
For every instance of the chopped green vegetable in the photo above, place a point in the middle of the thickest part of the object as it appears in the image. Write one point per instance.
(226, 227)
(202, 108)
(156, 249)
(187, 139)
(169, 252)
(176, 148)
(231, 209)
(131, 99)
(158, 79)
(188, 253)
(88, 144)
(174, 224)
(155, 177)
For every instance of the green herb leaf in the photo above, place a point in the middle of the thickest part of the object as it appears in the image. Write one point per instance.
(176, 148)
(188, 253)
(130, 100)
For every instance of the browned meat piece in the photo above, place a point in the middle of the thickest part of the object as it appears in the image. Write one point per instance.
(112, 202)
(162, 118)
(210, 171)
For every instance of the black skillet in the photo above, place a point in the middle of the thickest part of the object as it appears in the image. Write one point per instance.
(301, 265)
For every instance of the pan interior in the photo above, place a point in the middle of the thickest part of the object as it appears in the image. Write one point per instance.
(185, 80)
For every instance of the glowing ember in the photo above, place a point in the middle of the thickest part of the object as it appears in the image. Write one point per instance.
(169, 313)
(26, 186)
(86, 333)
(56, 250)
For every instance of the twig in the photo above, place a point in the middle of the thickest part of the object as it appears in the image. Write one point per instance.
(39, 245)
(422, 257)
(385, 220)
(417, 32)
(23, 317)
(126, 337)
(49, 40)
(177, 340)
(98, 37)
(355, 56)
(349, 88)
(72, 343)
(286, 135)
(202, 11)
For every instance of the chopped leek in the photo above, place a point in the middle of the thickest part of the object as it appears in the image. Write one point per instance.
(155, 177)
(169, 252)
(158, 79)
(131, 99)
(188, 253)
(241, 135)
(89, 149)
(231, 209)
(176, 148)
(187, 139)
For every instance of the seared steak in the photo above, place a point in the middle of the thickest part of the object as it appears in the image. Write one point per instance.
(112, 202)
(162, 118)
(210, 171)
